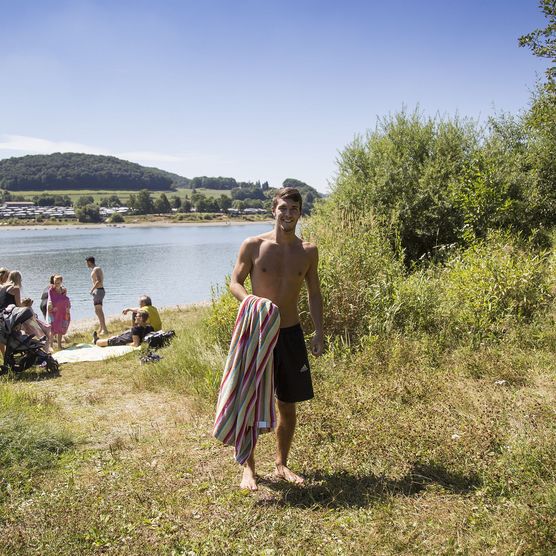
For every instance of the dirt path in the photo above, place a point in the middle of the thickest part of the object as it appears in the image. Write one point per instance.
(135, 482)
(100, 402)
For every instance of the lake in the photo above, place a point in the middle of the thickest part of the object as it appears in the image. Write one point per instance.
(173, 264)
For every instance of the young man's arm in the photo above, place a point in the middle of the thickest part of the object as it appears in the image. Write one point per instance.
(96, 280)
(315, 301)
(136, 340)
(243, 267)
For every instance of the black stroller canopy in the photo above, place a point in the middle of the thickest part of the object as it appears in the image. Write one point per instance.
(22, 351)
(13, 316)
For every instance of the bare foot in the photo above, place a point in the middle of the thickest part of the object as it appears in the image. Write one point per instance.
(249, 480)
(285, 473)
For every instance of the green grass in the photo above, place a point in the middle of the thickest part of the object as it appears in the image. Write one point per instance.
(191, 364)
(409, 447)
(31, 439)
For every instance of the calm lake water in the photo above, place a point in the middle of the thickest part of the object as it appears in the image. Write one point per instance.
(173, 264)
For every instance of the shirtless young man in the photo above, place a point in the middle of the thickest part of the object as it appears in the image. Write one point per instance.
(278, 263)
(97, 291)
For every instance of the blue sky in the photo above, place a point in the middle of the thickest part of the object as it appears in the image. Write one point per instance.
(253, 89)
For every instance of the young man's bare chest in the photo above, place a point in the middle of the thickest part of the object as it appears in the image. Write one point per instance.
(275, 262)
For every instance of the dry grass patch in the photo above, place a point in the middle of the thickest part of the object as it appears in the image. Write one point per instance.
(408, 448)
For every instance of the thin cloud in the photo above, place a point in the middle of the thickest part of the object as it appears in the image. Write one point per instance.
(36, 145)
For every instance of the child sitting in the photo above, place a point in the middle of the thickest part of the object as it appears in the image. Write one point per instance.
(133, 336)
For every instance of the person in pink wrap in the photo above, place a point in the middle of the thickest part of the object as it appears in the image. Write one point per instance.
(58, 309)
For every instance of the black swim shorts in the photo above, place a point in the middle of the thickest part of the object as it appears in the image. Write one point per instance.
(292, 375)
(98, 296)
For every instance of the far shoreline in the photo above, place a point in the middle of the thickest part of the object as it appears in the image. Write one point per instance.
(145, 224)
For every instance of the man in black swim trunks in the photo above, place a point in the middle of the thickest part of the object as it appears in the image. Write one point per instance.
(97, 291)
(278, 263)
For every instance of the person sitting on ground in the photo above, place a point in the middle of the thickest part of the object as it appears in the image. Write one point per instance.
(36, 327)
(132, 337)
(145, 304)
(10, 292)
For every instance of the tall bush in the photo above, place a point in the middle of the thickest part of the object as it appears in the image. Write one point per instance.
(441, 181)
(358, 268)
(403, 172)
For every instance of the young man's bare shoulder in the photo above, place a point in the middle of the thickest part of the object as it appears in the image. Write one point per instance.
(309, 248)
(256, 241)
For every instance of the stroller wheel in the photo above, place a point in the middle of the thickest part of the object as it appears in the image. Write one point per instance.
(53, 366)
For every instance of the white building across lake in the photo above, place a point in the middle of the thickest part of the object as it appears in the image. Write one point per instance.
(28, 210)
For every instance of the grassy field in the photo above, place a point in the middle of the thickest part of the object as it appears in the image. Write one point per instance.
(123, 195)
(408, 448)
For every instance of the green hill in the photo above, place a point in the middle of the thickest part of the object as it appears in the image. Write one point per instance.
(65, 171)
(89, 172)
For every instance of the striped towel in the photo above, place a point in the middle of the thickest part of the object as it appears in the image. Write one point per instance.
(245, 405)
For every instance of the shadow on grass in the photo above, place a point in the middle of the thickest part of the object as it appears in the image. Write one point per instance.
(32, 375)
(343, 489)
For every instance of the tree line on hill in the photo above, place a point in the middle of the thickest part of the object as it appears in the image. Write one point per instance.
(61, 171)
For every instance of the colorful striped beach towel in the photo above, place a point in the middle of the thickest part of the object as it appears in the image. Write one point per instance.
(245, 405)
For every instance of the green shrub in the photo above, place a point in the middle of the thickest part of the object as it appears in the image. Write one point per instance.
(402, 172)
(221, 318)
(417, 302)
(439, 181)
(358, 269)
(89, 214)
(482, 292)
(116, 218)
(494, 285)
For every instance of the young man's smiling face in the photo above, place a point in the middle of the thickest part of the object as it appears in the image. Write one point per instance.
(287, 214)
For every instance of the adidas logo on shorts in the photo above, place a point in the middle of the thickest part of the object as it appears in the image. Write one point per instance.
(304, 369)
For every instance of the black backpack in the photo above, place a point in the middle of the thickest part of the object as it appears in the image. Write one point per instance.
(156, 340)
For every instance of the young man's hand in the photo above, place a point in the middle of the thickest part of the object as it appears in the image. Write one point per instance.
(317, 345)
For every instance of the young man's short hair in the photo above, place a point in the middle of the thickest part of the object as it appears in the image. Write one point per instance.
(290, 193)
(90, 260)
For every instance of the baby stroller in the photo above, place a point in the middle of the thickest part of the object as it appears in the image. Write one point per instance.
(22, 351)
